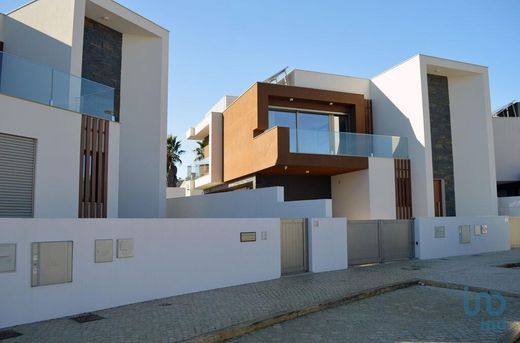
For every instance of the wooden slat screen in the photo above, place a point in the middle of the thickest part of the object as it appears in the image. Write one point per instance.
(403, 189)
(93, 169)
(438, 198)
(368, 117)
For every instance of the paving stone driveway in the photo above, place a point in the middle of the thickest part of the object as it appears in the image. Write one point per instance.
(415, 314)
(191, 315)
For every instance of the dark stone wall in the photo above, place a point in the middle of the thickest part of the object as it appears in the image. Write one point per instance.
(102, 53)
(440, 125)
(298, 187)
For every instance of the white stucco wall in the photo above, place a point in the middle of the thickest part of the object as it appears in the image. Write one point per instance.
(509, 206)
(57, 133)
(401, 108)
(381, 174)
(365, 194)
(328, 244)
(144, 74)
(339, 83)
(113, 171)
(171, 257)
(497, 238)
(351, 195)
(55, 30)
(216, 137)
(399, 100)
(223, 103)
(506, 132)
(257, 203)
(472, 144)
(175, 192)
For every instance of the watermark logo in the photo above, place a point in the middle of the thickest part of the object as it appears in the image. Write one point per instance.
(493, 309)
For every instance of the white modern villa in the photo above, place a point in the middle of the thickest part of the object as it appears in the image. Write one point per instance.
(82, 123)
(303, 172)
(405, 143)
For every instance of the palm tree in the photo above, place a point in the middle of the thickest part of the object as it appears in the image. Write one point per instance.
(173, 156)
(199, 151)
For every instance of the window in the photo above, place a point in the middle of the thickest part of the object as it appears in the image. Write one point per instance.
(312, 132)
(284, 119)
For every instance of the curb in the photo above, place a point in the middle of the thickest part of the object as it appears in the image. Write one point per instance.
(241, 329)
(251, 326)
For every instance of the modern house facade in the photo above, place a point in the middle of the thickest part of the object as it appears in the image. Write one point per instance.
(82, 123)
(403, 144)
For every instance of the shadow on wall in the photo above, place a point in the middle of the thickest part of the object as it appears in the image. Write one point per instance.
(256, 203)
(390, 120)
(24, 41)
(30, 63)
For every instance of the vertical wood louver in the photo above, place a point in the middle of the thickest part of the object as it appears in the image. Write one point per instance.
(93, 168)
(403, 189)
(368, 117)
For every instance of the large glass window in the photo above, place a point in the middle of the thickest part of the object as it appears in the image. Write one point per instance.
(314, 133)
(311, 132)
(284, 119)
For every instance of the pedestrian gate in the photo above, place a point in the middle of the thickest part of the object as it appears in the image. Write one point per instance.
(293, 238)
(376, 241)
(514, 225)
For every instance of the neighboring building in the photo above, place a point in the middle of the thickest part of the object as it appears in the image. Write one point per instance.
(83, 106)
(413, 141)
(506, 130)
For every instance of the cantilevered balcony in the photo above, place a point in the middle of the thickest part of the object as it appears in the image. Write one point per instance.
(197, 171)
(347, 144)
(28, 80)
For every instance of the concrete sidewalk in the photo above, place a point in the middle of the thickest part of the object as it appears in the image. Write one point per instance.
(195, 315)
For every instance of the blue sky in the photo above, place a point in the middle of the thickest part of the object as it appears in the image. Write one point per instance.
(222, 47)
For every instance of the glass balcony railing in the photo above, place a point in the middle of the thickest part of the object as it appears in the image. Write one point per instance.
(25, 79)
(347, 144)
(196, 171)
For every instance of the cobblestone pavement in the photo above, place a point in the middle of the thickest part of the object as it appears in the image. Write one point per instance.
(415, 314)
(187, 316)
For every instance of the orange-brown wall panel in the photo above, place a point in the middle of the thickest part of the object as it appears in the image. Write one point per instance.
(249, 147)
(243, 154)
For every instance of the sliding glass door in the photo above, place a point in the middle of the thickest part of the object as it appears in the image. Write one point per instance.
(313, 132)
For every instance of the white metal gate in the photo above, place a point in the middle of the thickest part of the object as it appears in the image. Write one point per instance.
(376, 241)
(293, 238)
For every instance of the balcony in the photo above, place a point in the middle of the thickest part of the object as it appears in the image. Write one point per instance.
(198, 170)
(347, 144)
(25, 79)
